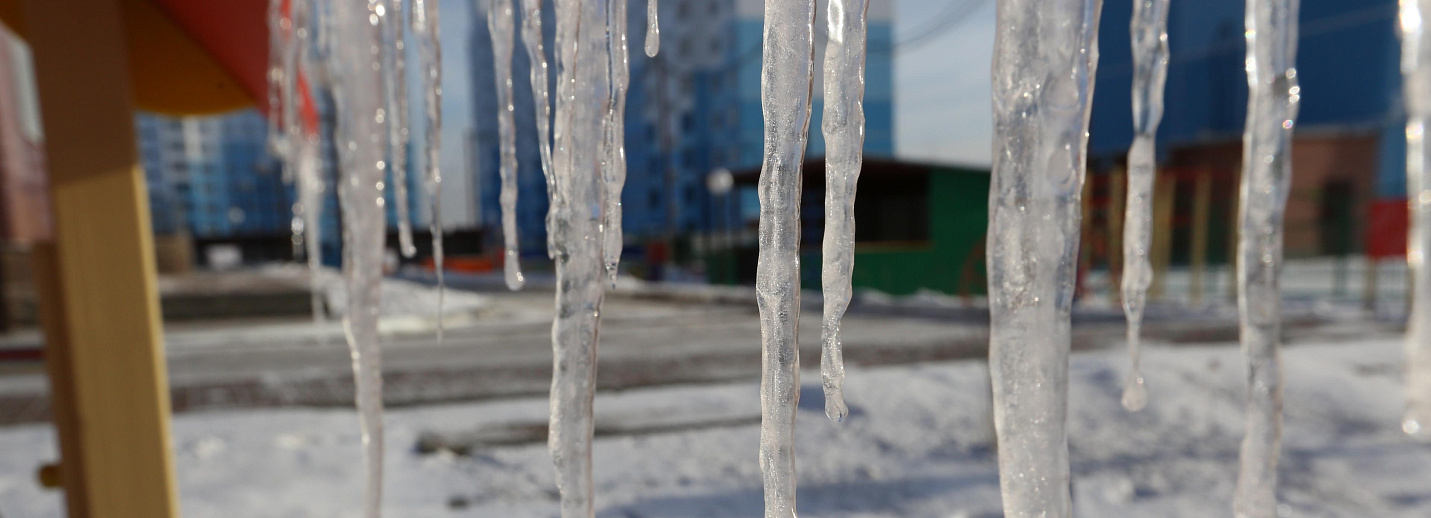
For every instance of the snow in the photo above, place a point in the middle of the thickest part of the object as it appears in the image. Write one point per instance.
(918, 443)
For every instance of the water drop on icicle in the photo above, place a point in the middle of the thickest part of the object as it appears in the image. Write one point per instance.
(425, 26)
(1045, 60)
(500, 26)
(613, 153)
(653, 29)
(395, 83)
(575, 233)
(844, 130)
(1416, 73)
(1150, 70)
(1267, 173)
(785, 86)
(360, 100)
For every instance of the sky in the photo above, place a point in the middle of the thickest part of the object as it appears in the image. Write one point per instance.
(942, 107)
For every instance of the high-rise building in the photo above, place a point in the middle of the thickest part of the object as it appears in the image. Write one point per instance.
(691, 110)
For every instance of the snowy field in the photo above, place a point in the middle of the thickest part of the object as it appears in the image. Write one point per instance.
(917, 445)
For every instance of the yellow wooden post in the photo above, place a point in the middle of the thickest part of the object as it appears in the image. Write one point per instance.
(1116, 206)
(1161, 253)
(1202, 201)
(107, 306)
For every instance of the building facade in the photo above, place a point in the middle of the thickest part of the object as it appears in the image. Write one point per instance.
(1349, 144)
(691, 110)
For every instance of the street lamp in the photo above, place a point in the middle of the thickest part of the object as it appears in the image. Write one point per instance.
(719, 183)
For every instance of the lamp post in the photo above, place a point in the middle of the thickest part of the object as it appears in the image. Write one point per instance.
(719, 183)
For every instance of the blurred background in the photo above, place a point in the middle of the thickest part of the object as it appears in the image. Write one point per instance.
(262, 395)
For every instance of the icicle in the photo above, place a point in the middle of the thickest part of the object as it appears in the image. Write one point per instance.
(395, 83)
(536, 54)
(1045, 59)
(1150, 62)
(425, 25)
(785, 86)
(360, 100)
(278, 44)
(303, 156)
(1266, 177)
(653, 29)
(500, 25)
(844, 129)
(613, 153)
(1416, 90)
(583, 95)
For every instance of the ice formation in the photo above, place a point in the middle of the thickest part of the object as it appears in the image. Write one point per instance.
(1045, 59)
(1416, 73)
(1273, 97)
(844, 129)
(1150, 70)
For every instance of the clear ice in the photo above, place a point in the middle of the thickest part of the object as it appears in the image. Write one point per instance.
(501, 26)
(575, 233)
(844, 128)
(395, 82)
(785, 86)
(425, 25)
(1273, 97)
(360, 99)
(1416, 89)
(613, 154)
(653, 29)
(1045, 59)
(1150, 70)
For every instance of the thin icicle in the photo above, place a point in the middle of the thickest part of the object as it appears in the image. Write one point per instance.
(583, 94)
(1150, 70)
(613, 153)
(1416, 90)
(395, 83)
(500, 25)
(1045, 59)
(303, 155)
(653, 29)
(1266, 177)
(425, 26)
(844, 129)
(785, 86)
(541, 97)
(360, 101)
(278, 44)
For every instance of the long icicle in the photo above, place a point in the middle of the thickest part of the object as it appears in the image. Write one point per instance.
(360, 110)
(425, 26)
(1267, 173)
(302, 146)
(574, 230)
(844, 129)
(613, 162)
(1045, 59)
(1416, 90)
(278, 44)
(1150, 69)
(395, 83)
(500, 26)
(785, 88)
(532, 38)
(653, 28)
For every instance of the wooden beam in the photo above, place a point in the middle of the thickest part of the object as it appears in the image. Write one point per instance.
(105, 305)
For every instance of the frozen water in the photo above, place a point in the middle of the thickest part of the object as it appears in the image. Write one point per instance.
(1416, 90)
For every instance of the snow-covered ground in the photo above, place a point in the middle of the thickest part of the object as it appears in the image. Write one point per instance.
(918, 444)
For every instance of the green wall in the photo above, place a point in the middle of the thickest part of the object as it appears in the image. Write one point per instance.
(959, 213)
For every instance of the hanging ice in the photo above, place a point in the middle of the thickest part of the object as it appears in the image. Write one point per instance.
(844, 129)
(1416, 90)
(1266, 176)
(395, 83)
(785, 90)
(575, 233)
(303, 156)
(278, 44)
(541, 99)
(360, 101)
(1045, 58)
(425, 26)
(653, 29)
(613, 153)
(500, 24)
(1150, 69)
